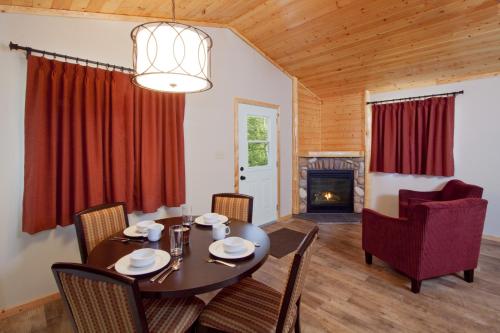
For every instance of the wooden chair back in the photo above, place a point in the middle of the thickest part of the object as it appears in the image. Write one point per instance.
(233, 205)
(290, 304)
(97, 223)
(100, 300)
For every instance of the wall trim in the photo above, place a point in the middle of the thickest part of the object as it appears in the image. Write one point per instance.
(9, 312)
(492, 238)
(295, 146)
(285, 217)
(99, 16)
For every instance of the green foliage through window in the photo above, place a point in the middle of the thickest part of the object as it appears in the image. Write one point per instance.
(257, 136)
(257, 128)
(257, 154)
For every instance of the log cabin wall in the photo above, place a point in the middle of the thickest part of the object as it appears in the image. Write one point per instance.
(343, 123)
(333, 124)
(309, 121)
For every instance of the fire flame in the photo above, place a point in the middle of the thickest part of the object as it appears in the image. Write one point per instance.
(328, 195)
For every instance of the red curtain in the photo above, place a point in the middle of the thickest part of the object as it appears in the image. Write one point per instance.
(93, 137)
(414, 137)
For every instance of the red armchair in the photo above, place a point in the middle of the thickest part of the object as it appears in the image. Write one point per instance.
(438, 238)
(453, 190)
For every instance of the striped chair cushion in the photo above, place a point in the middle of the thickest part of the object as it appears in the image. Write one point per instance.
(246, 307)
(172, 315)
(235, 208)
(97, 306)
(299, 284)
(100, 224)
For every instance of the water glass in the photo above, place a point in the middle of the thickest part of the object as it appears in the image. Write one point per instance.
(185, 234)
(176, 232)
(187, 214)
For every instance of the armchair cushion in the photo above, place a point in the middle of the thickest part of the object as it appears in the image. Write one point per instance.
(406, 195)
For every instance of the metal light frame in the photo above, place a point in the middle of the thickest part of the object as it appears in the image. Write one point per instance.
(177, 69)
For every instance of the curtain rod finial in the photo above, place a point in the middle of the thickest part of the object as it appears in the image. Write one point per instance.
(13, 46)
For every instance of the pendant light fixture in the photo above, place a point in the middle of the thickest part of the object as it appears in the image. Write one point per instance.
(171, 57)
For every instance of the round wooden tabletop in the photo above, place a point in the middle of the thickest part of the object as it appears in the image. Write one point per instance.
(196, 275)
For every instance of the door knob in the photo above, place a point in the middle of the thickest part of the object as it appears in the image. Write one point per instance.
(243, 177)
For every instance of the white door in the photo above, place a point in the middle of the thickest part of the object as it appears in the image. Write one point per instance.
(257, 158)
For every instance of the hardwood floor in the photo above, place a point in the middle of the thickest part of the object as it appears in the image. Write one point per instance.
(343, 294)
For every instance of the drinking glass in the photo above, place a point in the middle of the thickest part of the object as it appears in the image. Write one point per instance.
(185, 234)
(176, 232)
(187, 214)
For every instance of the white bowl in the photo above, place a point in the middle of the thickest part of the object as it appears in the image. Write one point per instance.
(142, 257)
(211, 218)
(233, 244)
(142, 226)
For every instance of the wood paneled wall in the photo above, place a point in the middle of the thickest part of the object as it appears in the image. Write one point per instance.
(331, 124)
(343, 123)
(309, 121)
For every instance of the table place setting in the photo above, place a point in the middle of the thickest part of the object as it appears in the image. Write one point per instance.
(209, 219)
(144, 229)
(231, 248)
(142, 261)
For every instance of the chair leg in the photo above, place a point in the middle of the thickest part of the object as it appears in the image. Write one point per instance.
(297, 320)
(415, 285)
(368, 258)
(469, 275)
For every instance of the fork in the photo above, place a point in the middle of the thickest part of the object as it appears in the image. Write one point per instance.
(154, 278)
(220, 262)
(175, 267)
(126, 240)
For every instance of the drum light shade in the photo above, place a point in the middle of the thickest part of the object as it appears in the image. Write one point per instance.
(171, 57)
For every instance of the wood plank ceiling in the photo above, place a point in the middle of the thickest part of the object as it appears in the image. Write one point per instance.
(344, 46)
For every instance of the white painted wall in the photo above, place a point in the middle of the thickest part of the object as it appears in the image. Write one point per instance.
(238, 71)
(476, 151)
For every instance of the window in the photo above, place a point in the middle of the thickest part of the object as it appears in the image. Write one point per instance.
(258, 141)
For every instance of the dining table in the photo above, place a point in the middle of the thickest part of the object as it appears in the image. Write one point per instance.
(195, 275)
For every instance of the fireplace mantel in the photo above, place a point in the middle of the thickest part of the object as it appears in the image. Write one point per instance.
(333, 154)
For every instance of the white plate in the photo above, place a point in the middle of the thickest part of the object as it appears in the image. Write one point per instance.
(201, 221)
(122, 266)
(217, 249)
(132, 232)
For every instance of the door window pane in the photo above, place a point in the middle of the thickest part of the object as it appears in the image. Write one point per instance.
(257, 154)
(257, 128)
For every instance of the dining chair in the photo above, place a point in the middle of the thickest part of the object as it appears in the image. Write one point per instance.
(233, 205)
(97, 223)
(103, 301)
(253, 307)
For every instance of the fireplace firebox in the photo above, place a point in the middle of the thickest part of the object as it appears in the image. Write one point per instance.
(330, 191)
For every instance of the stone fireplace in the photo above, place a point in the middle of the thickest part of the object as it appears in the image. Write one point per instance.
(331, 184)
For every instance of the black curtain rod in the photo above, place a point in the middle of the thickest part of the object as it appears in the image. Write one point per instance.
(454, 93)
(30, 50)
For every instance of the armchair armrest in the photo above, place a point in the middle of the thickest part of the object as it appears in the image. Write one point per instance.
(406, 195)
(390, 239)
(378, 228)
